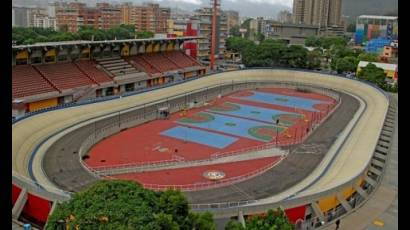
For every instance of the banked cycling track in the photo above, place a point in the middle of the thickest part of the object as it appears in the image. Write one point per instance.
(348, 157)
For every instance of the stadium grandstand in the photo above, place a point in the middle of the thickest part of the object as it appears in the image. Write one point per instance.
(46, 75)
(250, 140)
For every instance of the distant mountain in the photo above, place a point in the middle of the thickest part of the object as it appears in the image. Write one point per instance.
(354, 8)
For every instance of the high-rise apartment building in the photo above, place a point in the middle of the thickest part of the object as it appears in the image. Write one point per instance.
(150, 17)
(232, 19)
(298, 11)
(322, 13)
(204, 15)
(44, 21)
(73, 15)
(126, 10)
(110, 15)
(33, 16)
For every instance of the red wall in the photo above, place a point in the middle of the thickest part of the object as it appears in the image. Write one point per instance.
(37, 208)
(15, 192)
(192, 46)
(296, 213)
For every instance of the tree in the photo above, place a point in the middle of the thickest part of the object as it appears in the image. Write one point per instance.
(351, 27)
(234, 225)
(260, 37)
(144, 34)
(368, 57)
(325, 42)
(313, 59)
(203, 221)
(234, 31)
(312, 41)
(238, 44)
(126, 205)
(275, 219)
(249, 56)
(328, 42)
(295, 56)
(346, 64)
(373, 74)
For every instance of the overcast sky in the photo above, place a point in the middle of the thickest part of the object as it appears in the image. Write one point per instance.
(281, 2)
(249, 8)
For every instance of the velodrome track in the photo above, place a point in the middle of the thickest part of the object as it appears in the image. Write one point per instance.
(341, 165)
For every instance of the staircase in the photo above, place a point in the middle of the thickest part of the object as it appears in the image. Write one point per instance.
(117, 66)
(86, 93)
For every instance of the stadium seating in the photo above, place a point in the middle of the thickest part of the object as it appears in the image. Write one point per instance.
(64, 75)
(31, 80)
(89, 68)
(162, 63)
(181, 59)
(26, 81)
(140, 63)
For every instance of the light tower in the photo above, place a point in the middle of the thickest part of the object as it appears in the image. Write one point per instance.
(215, 13)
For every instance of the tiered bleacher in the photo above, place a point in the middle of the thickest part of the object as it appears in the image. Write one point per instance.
(181, 59)
(163, 62)
(27, 81)
(31, 80)
(90, 68)
(140, 63)
(64, 75)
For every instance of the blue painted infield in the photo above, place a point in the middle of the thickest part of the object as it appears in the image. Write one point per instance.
(283, 100)
(230, 125)
(253, 112)
(199, 136)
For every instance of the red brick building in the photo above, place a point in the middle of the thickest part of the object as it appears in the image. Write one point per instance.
(151, 17)
(75, 15)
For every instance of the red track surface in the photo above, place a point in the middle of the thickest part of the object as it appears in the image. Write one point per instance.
(188, 177)
(144, 144)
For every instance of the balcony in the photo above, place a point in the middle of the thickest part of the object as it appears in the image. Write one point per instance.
(203, 48)
(203, 42)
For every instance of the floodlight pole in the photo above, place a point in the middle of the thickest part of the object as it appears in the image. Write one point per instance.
(215, 11)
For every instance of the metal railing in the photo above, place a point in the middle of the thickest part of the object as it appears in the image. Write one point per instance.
(212, 184)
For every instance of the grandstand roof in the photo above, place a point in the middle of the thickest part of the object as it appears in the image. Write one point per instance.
(85, 42)
(384, 66)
